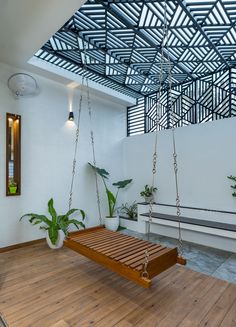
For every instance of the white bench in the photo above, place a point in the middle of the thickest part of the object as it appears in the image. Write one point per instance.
(207, 226)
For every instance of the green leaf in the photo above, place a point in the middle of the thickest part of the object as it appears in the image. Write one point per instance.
(122, 184)
(111, 197)
(82, 213)
(37, 222)
(34, 216)
(111, 202)
(233, 178)
(64, 221)
(43, 227)
(100, 171)
(76, 223)
(52, 211)
(71, 211)
(53, 234)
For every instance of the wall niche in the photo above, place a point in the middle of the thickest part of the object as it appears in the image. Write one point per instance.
(13, 154)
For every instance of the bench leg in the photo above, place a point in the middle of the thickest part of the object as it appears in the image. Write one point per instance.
(181, 261)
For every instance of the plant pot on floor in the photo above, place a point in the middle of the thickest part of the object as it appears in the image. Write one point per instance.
(112, 223)
(60, 240)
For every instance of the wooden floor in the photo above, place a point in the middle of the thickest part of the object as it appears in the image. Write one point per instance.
(40, 287)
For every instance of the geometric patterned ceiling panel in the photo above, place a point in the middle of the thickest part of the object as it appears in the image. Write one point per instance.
(123, 39)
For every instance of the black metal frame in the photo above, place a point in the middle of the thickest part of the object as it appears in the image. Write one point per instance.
(123, 39)
(209, 98)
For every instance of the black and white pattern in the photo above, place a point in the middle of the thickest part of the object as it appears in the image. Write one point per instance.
(124, 39)
(208, 98)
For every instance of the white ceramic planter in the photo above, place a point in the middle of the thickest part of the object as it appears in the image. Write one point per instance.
(149, 198)
(112, 223)
(60, 240)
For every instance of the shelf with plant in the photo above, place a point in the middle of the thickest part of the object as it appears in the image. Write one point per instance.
(12, 186)
(148, 193)
(129, 211)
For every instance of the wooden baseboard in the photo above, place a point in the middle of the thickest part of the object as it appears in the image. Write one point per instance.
(21, 245)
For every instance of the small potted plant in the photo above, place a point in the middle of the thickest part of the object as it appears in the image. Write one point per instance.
(233, 178)
(57, 226)
(148, 193)
(12, 186)
(130, 210)
(112, 219)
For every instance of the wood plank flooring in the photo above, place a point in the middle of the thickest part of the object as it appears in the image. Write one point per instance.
(40, 287)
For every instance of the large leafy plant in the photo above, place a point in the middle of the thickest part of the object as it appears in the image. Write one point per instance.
(111, 197)
(57, 222)
(233, 178)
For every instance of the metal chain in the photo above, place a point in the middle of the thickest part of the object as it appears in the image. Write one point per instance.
(175, 161)
(76, 145)
(158, 106)
(155, 157)
(92, 140)
(145, 273)
(93, 152)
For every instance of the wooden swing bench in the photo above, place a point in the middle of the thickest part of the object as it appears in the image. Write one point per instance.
(123, 254)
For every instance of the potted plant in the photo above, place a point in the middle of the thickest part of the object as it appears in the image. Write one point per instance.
(148, 193)
(129, 210)
(233, 178)
(12, 186)
(112, 219)
(57, 226)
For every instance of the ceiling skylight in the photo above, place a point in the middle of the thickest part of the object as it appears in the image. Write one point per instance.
(123, 42)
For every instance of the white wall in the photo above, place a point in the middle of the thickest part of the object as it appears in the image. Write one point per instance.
(206, 156)
(47, 151)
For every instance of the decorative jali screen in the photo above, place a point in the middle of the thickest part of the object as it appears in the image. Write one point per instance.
(208, 98)
(119, 44)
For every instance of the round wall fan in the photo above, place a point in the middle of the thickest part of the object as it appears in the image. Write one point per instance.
(23, 85)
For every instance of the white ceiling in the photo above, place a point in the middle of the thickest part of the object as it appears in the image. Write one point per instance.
(25, 25)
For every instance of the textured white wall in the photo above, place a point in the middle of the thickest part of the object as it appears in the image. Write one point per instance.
(47, 151)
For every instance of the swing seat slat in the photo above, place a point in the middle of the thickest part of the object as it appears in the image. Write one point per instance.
(123, 254)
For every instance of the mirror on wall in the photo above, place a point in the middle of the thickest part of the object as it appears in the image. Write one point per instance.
(13, 154)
